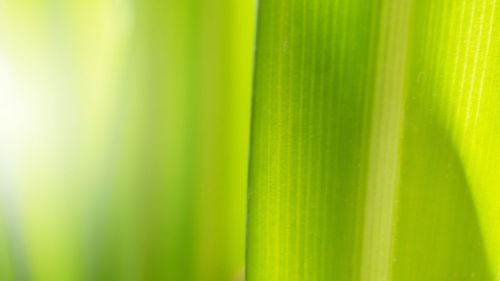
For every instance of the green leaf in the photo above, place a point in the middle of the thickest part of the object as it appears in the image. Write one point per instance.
(124, 131)
(374, 147)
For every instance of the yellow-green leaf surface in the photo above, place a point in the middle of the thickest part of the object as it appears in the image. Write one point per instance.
(375, 141)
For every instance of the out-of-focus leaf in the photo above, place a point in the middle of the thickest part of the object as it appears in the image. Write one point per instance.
(125, 154)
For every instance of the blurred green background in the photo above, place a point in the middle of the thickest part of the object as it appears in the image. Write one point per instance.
(124, 138)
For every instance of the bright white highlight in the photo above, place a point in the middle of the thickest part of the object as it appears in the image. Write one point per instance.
(24, 115)
(13, 119)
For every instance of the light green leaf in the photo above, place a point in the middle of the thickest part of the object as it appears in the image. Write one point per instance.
(374, 146)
